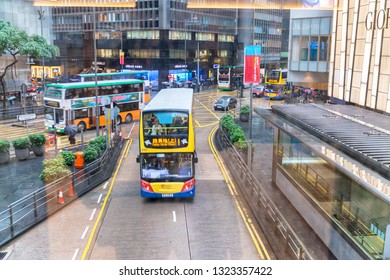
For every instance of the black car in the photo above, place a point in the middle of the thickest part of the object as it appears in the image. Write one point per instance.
(225, 103)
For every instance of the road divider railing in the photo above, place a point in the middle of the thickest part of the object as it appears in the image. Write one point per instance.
(39, 205)
(285, 242)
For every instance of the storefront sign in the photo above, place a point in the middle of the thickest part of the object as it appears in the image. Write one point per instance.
(379, 20)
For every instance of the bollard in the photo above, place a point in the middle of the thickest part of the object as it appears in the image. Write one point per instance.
(79, 162)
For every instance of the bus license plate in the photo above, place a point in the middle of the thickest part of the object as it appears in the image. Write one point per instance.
(167, 195)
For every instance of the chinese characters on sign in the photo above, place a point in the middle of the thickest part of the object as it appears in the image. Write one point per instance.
(167, 142)
(252, 64)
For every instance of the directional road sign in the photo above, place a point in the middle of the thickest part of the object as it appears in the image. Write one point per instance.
(26, 117)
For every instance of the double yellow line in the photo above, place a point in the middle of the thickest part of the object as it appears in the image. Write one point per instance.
(261, 249)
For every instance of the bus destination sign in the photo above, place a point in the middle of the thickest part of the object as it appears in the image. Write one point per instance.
(166, 142)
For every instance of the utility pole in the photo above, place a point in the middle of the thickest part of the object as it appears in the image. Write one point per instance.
(41, 14)
(197, 69)
(95, 68)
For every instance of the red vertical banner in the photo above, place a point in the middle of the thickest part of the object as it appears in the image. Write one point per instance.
(252, 64)
(121, 58)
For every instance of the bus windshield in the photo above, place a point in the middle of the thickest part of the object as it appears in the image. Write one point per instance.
(165, 123)
(52, 92)
(224, 74)
(172, 166)
(55, 115)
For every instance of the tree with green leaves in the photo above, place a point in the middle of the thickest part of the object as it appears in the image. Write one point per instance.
(15, 43)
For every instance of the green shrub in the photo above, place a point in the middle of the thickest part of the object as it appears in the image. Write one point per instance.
(54, 169)
(4, 146)
(227, 123)
(90, 154)
(21, 143)
(245, 110)
(99, 142)
(69, 157)
(241, 144)
(236, 134)
(37, 140)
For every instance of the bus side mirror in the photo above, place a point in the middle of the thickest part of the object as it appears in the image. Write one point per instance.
(137, 159)
(195, 159)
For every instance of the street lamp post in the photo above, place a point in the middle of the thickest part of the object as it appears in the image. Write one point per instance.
(41, 14)
(197, 69)
(95, 68)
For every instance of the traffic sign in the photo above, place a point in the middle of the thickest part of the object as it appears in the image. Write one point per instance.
(105, 100)
(26, 117)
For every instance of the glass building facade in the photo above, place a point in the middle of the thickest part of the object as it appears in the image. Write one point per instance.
(309, 52)
(358, 213)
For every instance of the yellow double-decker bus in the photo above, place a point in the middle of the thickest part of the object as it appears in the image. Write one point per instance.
(167, 154)
(276, 77)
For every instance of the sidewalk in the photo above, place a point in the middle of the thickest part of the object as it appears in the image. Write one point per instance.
(19, 178)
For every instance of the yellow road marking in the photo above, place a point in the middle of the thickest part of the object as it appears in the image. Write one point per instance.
(233, 191)
(91, 236)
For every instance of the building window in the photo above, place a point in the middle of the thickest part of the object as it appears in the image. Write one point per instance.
(305, 48)
(310, 39)
(204, 37)
(225, 38)
(324, 48)
(223, 53)
(313, 48)
(178, 54)
(107, 53)
(144, 53)
(179, 35)
(144, 34)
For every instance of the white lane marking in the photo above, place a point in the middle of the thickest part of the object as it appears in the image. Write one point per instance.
(105, 185)
(84, 233)
(100, 198)
(131, 130)
(93, 214)
(174, 216)
(75, 254)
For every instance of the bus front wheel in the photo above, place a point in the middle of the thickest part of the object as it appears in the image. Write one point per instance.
(129, 118)
(81, 126)
(118, 120)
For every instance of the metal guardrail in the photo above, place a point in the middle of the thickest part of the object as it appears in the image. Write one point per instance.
(285, 242)
(13, 112)
(39, 205)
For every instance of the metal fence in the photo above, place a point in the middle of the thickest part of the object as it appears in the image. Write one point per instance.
(39, 205)
(284, 241)
(13, 112)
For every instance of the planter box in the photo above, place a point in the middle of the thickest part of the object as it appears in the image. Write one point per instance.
(38, 151)
(4, 158)
(244, 117)
(22, 154)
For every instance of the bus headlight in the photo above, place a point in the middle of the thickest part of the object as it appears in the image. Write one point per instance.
(146, 186)
(188, 185)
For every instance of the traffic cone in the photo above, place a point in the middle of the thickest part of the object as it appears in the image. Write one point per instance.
(60, 199)
(70, 190)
